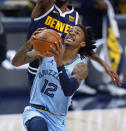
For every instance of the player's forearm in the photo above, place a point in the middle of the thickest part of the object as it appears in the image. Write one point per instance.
(69, 85)
(79, 20)
(21, 56)
(42, 6)
(96, 58)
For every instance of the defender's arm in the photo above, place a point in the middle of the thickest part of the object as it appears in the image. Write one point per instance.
(41, 7)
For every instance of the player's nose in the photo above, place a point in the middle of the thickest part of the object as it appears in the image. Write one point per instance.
(72, 33)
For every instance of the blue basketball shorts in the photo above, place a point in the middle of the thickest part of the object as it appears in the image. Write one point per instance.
(54, 123)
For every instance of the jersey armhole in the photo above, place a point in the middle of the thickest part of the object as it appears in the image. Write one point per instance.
(77, 17)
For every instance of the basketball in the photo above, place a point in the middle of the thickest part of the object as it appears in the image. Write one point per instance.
(43, 39)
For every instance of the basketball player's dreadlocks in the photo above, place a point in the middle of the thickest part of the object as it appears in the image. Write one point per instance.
(90, 43)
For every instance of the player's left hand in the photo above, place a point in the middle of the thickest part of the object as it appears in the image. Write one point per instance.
(39, 30)
(115, 78)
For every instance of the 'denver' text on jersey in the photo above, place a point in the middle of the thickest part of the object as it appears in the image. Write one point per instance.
(56, 20)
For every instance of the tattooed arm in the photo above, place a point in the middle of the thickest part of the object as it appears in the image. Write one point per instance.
(80, 72)
(70, 85)
(24, 56)
(115, 78)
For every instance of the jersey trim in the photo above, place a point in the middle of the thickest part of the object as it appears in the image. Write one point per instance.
(50, 112)
(71, 62)
(65, 13)
(77, 17)
(32, 68)
(34, 73)
(42, 16)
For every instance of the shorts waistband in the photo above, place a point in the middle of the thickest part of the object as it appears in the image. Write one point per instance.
(43, 108)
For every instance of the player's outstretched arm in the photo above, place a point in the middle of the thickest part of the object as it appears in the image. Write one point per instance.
(79, 20)
(41, 7)
(115, 78)
(24, 56)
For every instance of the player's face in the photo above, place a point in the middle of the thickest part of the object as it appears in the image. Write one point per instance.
(75, 37)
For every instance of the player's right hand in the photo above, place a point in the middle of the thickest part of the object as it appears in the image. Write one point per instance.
(36, 32)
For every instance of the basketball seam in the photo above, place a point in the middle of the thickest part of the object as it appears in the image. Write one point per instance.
(43, 40)
(53, 34)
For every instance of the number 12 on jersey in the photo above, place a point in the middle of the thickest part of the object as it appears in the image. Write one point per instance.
(49, 88)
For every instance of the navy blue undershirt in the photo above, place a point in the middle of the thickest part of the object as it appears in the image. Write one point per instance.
(69, 85)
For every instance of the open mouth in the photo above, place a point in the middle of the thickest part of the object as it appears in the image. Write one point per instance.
(71, 39)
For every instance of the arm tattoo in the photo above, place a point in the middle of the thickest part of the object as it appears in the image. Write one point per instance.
(80, 72)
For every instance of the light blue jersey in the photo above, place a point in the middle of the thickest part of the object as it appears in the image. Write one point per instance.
(47, 91)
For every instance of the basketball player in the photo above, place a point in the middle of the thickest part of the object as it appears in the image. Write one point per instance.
(57, 15)
(57, 78)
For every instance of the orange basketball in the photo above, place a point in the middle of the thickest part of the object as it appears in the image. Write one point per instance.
(43, 40)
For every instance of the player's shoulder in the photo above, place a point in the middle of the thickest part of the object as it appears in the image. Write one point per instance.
(70, 7)
(81, 68)
(81, 64)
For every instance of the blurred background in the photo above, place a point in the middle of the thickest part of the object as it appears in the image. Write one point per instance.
(97, 91)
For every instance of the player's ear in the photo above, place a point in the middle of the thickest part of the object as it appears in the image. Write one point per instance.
(82, 44)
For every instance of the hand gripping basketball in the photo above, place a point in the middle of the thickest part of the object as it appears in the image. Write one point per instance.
(43, 39)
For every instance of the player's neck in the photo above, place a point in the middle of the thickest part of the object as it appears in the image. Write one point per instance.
(69, 55)
(64, 8)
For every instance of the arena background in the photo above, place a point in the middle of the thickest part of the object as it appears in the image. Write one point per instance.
(87, 111)
(14, 88)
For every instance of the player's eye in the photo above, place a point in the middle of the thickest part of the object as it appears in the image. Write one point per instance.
(77, 32)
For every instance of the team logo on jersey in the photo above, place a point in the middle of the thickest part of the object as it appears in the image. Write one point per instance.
(63, 123)
(55, 12)
(57, 25)
(71, 18)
